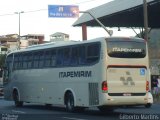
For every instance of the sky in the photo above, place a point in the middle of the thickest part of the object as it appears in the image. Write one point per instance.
(35, 19)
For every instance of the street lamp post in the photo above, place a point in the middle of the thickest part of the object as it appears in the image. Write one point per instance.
(19, 36)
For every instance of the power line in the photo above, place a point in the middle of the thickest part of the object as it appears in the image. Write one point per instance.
(46, 9)
(6, 14)
(24, 12)
(35, 10)
(85, 1)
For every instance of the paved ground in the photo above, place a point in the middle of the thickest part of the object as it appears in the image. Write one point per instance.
(156, 100)
(39, 112)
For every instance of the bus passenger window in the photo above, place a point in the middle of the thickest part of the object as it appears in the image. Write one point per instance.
(15, 65)
(36, 58)
(59, 60)
(30, 60)
(92, 53)
(24, 61)
(53, 58)
(82, 55)
(41, 59)
(66, 56)
(20, 62)
(47, 59)
(74, 56)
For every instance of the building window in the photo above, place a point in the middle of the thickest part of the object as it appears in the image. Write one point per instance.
(4, 49)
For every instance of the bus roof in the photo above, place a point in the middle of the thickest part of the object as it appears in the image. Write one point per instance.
(56, 44)
(66, 43)
(125, 38)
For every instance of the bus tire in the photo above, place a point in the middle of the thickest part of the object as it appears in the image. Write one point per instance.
(148, 105)
(70, 102)
(16, 99)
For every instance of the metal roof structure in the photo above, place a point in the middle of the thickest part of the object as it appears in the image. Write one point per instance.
(123, 13)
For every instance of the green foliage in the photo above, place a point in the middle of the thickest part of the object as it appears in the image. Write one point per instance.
(2, 60)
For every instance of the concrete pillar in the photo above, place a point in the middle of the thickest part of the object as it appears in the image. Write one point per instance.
(84, 32)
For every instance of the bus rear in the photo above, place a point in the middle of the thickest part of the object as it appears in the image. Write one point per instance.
(127, 72)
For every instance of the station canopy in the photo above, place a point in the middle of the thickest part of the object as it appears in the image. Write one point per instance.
(123, 13)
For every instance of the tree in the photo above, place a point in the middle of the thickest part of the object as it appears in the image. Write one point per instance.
(2, 60)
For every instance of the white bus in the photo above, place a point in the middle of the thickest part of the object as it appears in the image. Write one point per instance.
(103, 72)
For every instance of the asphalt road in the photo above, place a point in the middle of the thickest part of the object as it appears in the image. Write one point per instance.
(39, 112)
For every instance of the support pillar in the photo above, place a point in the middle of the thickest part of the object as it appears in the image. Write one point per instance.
(84, 32)
(145, 12)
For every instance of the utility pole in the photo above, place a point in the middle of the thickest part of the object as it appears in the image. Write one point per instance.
(19, 21)
(145, 13)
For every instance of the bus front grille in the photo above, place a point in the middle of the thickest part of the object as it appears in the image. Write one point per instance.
(93, 94)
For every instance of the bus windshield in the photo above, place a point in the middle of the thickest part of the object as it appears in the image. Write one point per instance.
(126, 49)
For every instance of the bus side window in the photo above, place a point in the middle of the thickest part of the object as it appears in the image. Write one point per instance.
(41, 59)
(36, 59)
(93, 52)
(59, 60)
(66, 57)
(82, 55)
(74, 56)
(17, 62)
(25, 61)
(30, 60)
(47, 62)
(20, 62)
(53, 58)
(9, 67)
(15, 65)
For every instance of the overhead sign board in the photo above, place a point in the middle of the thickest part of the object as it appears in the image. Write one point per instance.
(63, 11)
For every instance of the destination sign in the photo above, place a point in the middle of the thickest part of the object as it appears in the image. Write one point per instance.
(63, 11)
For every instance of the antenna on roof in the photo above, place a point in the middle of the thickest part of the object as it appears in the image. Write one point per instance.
(110, 32)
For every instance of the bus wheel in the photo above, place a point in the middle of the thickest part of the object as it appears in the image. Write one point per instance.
(70, 102)
(16, 99)
(148, 105)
